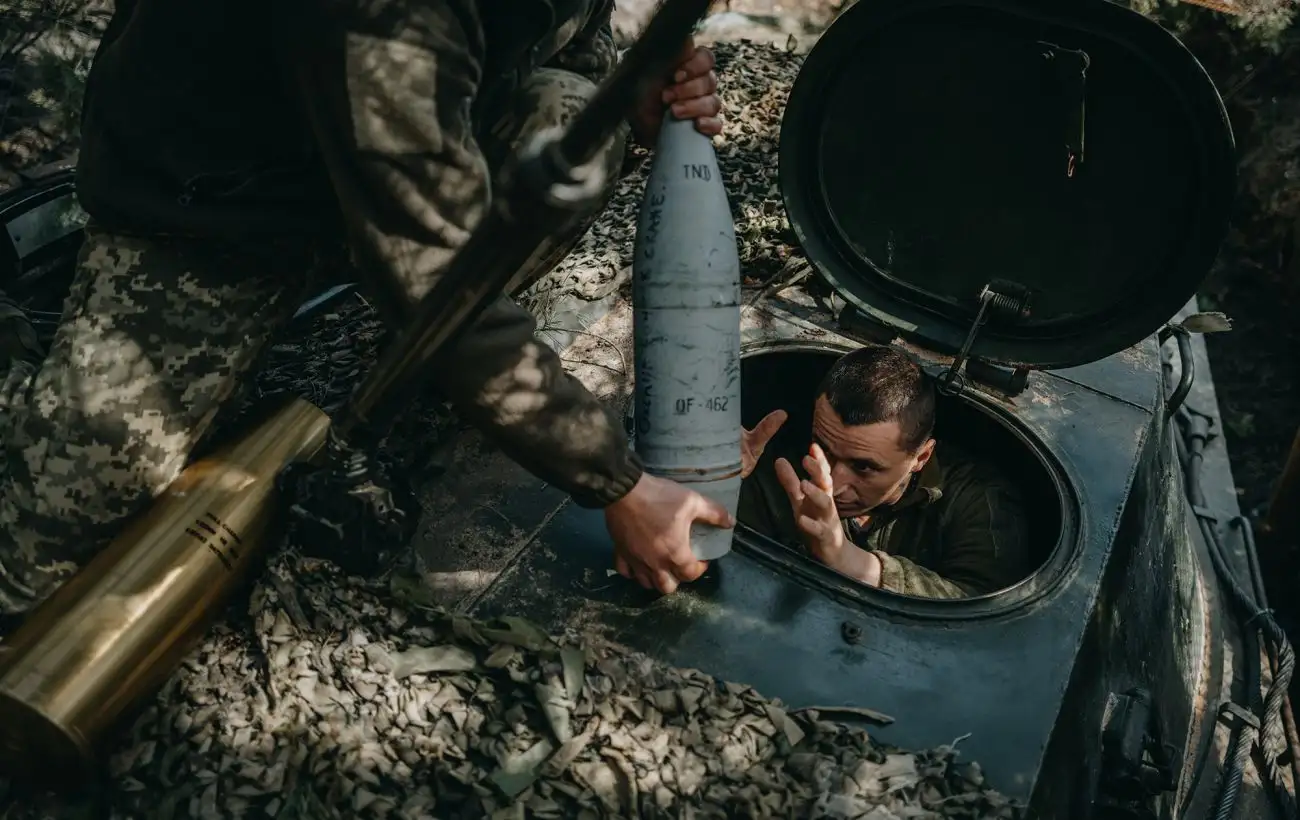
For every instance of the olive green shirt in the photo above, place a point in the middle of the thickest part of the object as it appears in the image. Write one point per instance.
(959, 531)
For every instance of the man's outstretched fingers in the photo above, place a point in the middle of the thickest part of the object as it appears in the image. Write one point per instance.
(823, 467)
(789, 480)
(754, 442)
(819, 499)
(818, 468)
(765, 429)
(811, 527)
(621, 567)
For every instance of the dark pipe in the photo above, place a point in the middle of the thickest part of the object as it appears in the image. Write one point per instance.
(1187, 366)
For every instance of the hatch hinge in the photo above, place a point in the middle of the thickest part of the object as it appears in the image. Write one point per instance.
(1009, 302)
(1136, 765)
(858, 324)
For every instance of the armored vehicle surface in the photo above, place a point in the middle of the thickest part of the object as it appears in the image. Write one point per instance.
(1022, 198)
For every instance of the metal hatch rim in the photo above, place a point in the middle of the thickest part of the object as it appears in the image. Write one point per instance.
(812, 220)
(1061, 562)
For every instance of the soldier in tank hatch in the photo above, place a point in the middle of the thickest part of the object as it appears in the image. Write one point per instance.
(226, 147)
(875, 497)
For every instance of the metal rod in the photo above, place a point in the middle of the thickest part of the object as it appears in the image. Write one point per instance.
(524, 215)
(649, 57)
(1187, 366)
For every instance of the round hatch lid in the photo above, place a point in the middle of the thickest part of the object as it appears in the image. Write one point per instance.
(1075, 158)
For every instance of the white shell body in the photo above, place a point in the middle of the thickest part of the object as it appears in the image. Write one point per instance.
(686, 306)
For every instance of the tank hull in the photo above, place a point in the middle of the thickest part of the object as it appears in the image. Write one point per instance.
(1126, 599)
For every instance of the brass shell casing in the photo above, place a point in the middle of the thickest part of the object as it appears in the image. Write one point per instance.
(92, 652)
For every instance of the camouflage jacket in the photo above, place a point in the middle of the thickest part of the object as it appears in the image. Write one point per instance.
(241, 121)
(959, 530)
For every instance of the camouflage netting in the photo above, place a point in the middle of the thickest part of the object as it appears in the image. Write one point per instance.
(329, 696)
(348, 705)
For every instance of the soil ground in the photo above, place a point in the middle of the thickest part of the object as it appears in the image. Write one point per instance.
(44, 54)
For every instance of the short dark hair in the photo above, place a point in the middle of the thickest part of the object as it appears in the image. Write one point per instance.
(879, 384)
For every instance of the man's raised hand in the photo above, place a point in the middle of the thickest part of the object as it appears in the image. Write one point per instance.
(754, 442)
(814, 506)
(819, 522)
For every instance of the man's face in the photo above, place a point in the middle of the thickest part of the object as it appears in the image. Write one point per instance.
(869, 467)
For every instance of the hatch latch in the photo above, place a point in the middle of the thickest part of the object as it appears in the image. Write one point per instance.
(1136, 765)
(1070, 78)
(1010, 302)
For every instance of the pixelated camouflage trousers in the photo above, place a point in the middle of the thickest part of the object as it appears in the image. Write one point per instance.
(157, 336)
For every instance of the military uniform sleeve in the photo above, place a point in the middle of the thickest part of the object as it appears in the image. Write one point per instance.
(909, 578)
(387, 90)
(985, 546)
(592, 52)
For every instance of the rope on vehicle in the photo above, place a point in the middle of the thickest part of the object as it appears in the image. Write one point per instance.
(1257, 621)
(1214, 5)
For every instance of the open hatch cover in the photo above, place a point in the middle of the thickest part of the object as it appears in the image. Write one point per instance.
(1074, 157)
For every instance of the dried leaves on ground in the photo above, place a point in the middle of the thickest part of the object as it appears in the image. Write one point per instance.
(349, 702)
